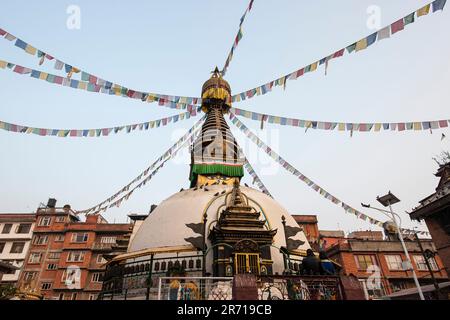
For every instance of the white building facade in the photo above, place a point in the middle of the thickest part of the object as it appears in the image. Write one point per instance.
(16, 232)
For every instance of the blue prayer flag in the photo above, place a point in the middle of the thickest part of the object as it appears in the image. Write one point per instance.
(372, 38)
(21, 44)
(438, 5)
(68, 67)
(35, 74)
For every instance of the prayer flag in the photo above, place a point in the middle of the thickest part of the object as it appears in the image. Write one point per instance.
(423, 11)
(438, 5)
(384, 33)
(397, 26)
(409, 19)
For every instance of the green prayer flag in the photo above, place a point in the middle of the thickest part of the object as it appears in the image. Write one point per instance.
(409, 18)
(351, 48)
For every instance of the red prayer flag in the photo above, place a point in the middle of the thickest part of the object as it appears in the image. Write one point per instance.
(397, 26)
(295, 122)
(2, 32)
(58, 80)
(401, 126)
(339, 53)
(300, 72)
(443, 123)
(92, 79)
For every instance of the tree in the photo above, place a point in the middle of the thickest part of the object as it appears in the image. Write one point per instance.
(443, 158)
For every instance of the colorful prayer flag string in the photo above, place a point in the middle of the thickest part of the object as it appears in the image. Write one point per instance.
(63, 133)
(343, 126)
(104, 205)
(90, 78)
(105, 88)
(237, 39)
(288, 167)
(357, 46)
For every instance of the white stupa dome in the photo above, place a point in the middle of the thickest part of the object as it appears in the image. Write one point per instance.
(166, 225)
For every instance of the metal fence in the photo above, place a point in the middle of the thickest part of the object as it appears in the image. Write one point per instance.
(195, 288)
(299, 288)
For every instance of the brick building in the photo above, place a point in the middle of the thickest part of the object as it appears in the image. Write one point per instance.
(66, 256)
(328, 238)
(16, 230)
(435, 210)
(310, 227)
(364, 257)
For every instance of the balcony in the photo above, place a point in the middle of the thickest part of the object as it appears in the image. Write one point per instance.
(98, 246)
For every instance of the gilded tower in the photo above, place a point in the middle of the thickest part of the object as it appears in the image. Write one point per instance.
(215, 155)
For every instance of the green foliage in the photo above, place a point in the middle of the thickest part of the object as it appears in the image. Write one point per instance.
(7, 291)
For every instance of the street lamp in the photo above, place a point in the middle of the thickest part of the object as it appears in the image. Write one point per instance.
(387, 201)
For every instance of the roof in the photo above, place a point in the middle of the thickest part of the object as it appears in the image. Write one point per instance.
(17, 217)
(332, 233)
(7, 266)
(305, 218)
(425, 289)
(157, 250)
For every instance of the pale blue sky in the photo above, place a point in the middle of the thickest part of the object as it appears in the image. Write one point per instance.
(171, 46)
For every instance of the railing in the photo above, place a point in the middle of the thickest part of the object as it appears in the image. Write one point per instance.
(305, 287)
(139, 279)
(102, 246)
(195, 288)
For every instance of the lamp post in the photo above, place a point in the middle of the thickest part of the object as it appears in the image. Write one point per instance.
(387, 201)
(426, 257)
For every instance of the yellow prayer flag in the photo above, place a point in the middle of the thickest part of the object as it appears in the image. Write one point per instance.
(91, 133)
(423, 11)
(2, 125)
(377, 126)
(60, 133)
(258, 91)
(3, 64)
(341, 126)
(31, 50)
(29, 130)
(76, 70)
(361, 45)
(307, 124)
(313, 67)
(82, 85)
(43, 76)
(150, 98)
(417, 126)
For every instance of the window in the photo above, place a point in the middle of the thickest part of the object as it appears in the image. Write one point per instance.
(46, 285)
(92, 297)
(108, 240)
(59, 238)
(74, 296)
(79, 237)
(2, 246)
(60, 219)
(394, 262)
(35, 257)
(29, 276)
(100, 259)
(7, 228)
(17, 247)
(52, 266)
(61, 296)
(54, 255)
(97, 277)
(365, 261)
(40, 240)
(24, 228)
(422, 265)
(75, 256)
(45, 221)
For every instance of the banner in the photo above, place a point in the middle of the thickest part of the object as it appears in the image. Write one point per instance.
(165, 157)
(288, 167)
(357, 46)
(343, 126)
(89, 78)
(237, 39)
(64, 133)
(106, 88)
